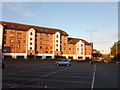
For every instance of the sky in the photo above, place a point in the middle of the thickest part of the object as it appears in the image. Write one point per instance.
(78, 19)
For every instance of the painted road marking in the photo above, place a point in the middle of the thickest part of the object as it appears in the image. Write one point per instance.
(93, 81)
(40, 77)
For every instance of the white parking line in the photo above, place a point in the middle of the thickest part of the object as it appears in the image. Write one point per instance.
(65, 81)
(40, 77)
(73, 76)
(93, 81)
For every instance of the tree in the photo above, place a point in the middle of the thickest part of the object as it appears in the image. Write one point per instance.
(96, 55)
(115, 50)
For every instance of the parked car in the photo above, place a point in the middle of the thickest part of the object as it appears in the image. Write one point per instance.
(64, 62)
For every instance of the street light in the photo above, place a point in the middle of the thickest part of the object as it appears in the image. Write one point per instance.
(91, 38)
(91, 34)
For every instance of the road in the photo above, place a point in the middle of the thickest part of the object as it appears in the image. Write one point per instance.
(47, 75)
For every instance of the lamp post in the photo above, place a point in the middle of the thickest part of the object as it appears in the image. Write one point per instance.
(91, 38)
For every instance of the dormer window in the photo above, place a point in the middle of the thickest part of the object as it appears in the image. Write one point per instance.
(12, 25)
(18, 26)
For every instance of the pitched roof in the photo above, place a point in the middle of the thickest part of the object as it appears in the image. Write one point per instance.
(18, 26)
(75, 40)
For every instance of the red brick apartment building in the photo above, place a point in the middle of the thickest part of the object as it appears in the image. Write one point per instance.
(21, 40)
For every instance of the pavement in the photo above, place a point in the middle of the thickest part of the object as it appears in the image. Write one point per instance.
(47, 75)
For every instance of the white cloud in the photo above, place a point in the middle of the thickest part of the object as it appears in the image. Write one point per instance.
(104, 40)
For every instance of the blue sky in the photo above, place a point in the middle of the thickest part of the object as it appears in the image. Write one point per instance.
(73, 17)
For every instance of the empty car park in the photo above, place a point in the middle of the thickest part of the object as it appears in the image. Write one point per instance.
(47, 75)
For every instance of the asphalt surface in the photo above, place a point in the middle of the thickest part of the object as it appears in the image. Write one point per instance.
(47, 75)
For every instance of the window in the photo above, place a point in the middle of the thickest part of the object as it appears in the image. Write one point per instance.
(50, 47)
(41, 38)
(17, 51)
(57, 45)
(11, 30)
(18, 26)
(50, 51)
(18, 41)
(23, 51)
(24, 41)
(5, 50)
(24, 36)
(41, 51)
(40, 47)
(57, 36)
(11, 45)
(18, 46)
(77, 49)
(56, 40)
(46, 51)
(30, 38)
(64, 44)
(81, 45)
(81, 52)
(31, 33)
(46, 43)
(46, 38)
(18, 36)
(41, 43)
(30, 53)
(69, 48)
(11, 40)
(4, 39)
(4, 34)
(46, 47)
(56, 49)
(30, 43)
(11, 35)
(4, 44)
(51, 39)
(18, 31)
(81, 49)
(12, 50)
(30, 48)
(40, 33)
(24, 46)
(65, 40)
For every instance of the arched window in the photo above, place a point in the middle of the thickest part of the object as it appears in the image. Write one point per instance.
(57, 36)
(31, 33)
